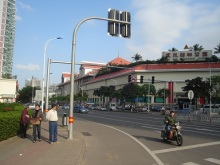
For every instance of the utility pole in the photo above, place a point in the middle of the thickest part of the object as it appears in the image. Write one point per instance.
(112, 29)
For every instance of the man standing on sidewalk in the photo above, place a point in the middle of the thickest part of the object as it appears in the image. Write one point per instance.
(52, 117)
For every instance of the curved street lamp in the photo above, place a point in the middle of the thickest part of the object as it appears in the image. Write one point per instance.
(45, 48)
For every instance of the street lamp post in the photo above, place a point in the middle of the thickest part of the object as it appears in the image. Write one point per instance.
(210, 83)
(45, 48)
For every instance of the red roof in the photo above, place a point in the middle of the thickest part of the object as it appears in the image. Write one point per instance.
(66, 74)
(119, 61)
(160, 67)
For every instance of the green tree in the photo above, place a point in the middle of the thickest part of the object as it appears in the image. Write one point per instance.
(217, 49)
(119, 95)
(198, 86)
(131, 91)
(104, 91)
(26, 94)
(162, 60)
(173, 49)
(213, 58)
(144, 89)
(137, 57)
(215, 87)
(163, 93)
(197, 47)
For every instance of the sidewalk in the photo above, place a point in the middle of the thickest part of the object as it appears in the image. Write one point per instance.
(92, 144)
(23, 151)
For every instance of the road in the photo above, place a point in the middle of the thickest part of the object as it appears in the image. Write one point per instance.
(201, 144)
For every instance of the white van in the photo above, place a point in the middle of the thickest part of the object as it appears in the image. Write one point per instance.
(112, 107)
(215, 109)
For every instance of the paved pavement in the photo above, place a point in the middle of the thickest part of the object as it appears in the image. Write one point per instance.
(92, 144)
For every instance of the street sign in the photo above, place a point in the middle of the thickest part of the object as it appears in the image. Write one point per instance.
(190, 94)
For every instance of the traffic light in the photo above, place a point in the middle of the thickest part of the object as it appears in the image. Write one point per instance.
(142, 79)
(113, 27)
(125, 28)
(129, 78)
(152, 80)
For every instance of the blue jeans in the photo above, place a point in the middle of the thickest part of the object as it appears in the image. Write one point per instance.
(52, 131)
(168, 127)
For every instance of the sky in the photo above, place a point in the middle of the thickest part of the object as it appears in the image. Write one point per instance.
(156, 26)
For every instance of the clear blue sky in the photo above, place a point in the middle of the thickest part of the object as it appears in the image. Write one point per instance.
(157, 25)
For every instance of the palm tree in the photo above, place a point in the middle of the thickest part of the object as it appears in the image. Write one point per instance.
(173, 49)
(217, 49)
(196, 47)
(137, 57)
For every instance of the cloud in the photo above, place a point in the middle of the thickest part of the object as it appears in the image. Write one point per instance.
(160, 25)
(25, 6)
(30, 66)
(18, 18)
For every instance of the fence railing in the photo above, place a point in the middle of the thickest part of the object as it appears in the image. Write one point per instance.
(198, 117)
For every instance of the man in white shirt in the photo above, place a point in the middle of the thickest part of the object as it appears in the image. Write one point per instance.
(52, 117)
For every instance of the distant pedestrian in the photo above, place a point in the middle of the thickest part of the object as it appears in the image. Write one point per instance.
(24, 122)
(37, 127)
(52, 117)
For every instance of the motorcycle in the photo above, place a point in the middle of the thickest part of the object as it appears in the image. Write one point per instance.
(173, 135)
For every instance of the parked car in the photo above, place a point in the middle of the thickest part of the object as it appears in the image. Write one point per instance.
(145, 109)
(165, 110)
(205, 109)
(103, 109)
(92, 107)
(32, 106)
(80, 109)
(119, 107)
(66, 107)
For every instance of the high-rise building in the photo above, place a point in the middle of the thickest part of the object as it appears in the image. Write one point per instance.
(33, 82)
(7, 35)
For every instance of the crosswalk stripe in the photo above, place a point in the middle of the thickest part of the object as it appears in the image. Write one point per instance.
(190, 163)
(213, 160)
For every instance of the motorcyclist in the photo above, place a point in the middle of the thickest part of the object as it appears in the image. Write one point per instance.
(169, 121)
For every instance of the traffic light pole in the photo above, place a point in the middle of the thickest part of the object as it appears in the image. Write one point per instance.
(148, 101)
(71, 119)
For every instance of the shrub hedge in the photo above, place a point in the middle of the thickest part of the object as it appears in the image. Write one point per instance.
(10, 114)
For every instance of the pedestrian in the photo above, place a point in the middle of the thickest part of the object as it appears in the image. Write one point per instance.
(37, 127)
(52, 117)
(24, 122)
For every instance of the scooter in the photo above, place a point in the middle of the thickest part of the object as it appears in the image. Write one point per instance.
(173, 135)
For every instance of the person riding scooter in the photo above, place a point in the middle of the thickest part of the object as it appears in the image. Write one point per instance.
(169, 121)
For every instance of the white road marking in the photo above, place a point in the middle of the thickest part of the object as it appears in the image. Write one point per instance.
(141, 144)
(159, 162)
(152, 127)
(213, 160)
(186, 147)
(190, 163)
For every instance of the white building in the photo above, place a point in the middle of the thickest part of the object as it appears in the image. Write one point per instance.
(8, 90)
(170, 76)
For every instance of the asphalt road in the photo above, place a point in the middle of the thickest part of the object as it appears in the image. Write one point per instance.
(201, 144)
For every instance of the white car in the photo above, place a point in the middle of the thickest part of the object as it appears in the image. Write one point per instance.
(32, 106)
(103, 109)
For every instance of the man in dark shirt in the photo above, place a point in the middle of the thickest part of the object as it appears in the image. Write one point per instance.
(169, 121)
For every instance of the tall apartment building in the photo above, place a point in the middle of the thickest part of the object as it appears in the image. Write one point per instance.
(7, 35)
(33, 82)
